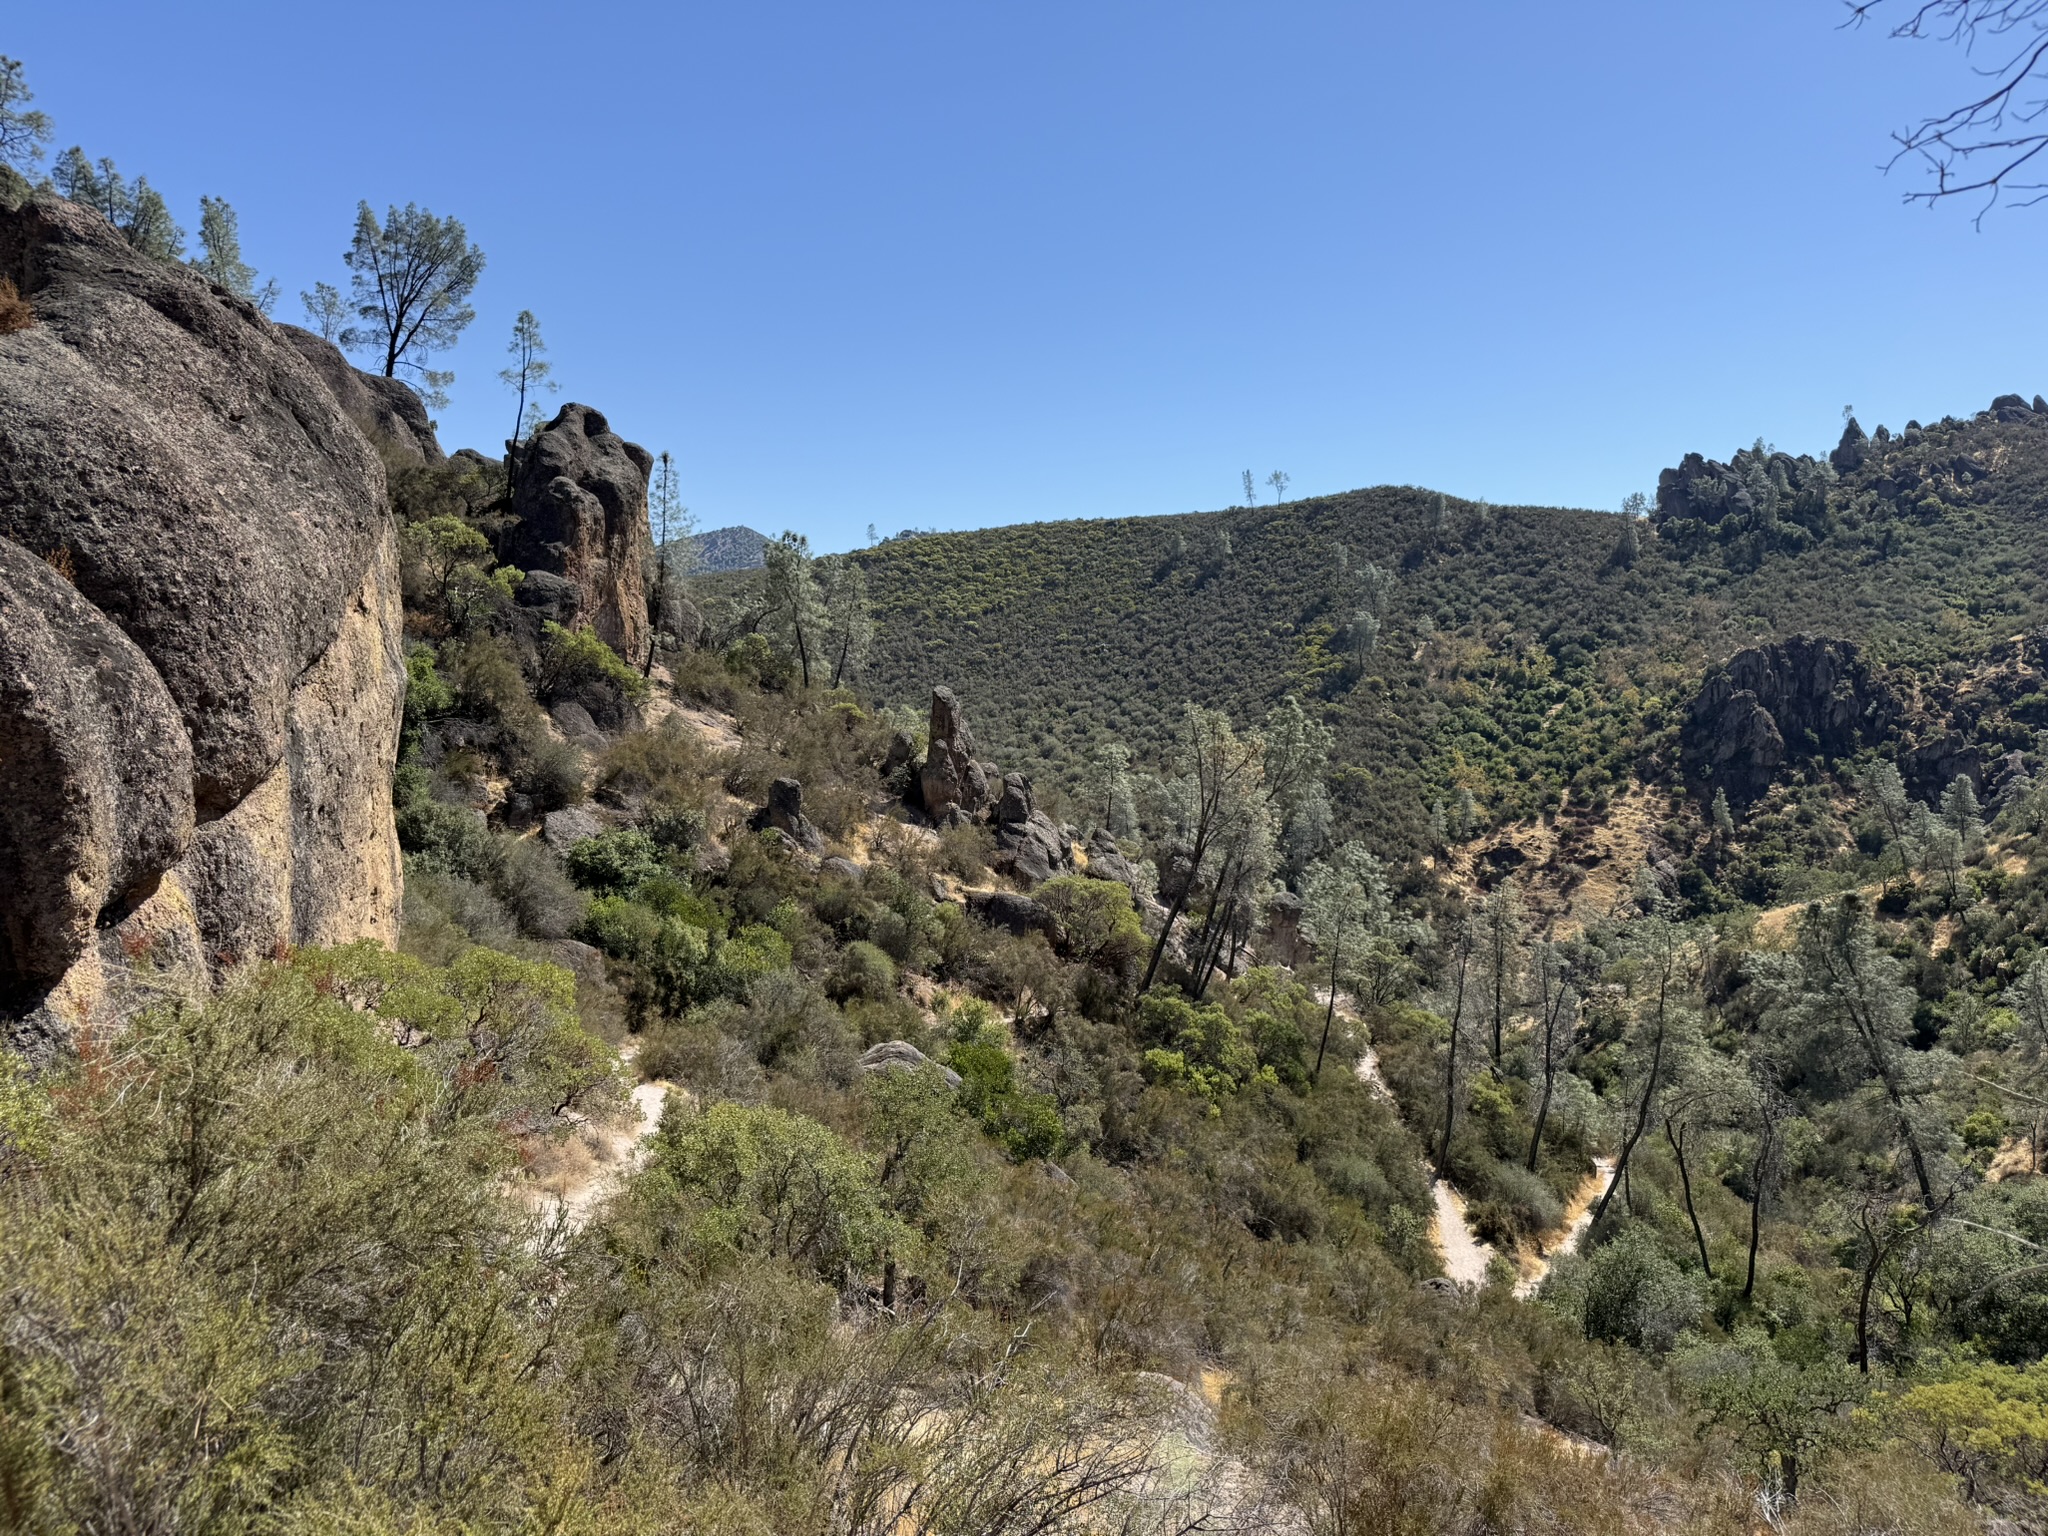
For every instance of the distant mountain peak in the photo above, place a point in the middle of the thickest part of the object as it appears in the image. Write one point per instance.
(730, 549)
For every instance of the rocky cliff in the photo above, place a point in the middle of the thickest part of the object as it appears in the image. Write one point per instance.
(200, 646)
(1792, 701)
(579, 512)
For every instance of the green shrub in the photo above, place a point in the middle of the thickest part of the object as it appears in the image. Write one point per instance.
(575, 664)
(761, 1180)
(427, 695)
(1025, 1125)
(549, 771)
(614, 863)
(864, 971)
(487, 680)
(439, 836)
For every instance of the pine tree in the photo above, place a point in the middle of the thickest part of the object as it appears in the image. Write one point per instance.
(25, 133)
(138, 211)
(795, 607)
(220, 259)
(150, 227)
(1107, 785)
(529, 372)
(1344, 902)
(675, 553)
(411, 277)
(1503, 925)
(849, 620)
(1962, 815)
(1375, 600)
(326, 310)
(1723, 818)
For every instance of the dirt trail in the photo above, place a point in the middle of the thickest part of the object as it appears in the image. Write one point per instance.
(1465, 1257)
(574, 1177)
(1578, 1216)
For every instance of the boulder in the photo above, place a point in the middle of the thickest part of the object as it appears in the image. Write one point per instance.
(564, 829)
(902, 1056)
(1773, 704)
(579, 511)
(1283, 928)
(550, 597)
(1033, 849)
(784, 813)
(387, 411)
(1015, 803)
(1106, 860)
(575, 723)
(952, 779)
(1016, 914)
(842, 869)
(201, 663)
(80, 707)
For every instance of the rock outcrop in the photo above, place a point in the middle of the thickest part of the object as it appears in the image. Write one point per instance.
(1013, 913)
(579, 511)
(1790, 701)
(953, 782)
(200, 637)
(1106, 860)
(784, 813)
(902, 1056)
(1028, 844)
(387, 411)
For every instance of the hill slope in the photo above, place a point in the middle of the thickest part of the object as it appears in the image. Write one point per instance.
(1523, 655)
(729, 549)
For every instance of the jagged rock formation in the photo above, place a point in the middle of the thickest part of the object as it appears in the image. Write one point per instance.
(784, 812)
(953, 782)
(390, 415)
(1013, 913)
(1797, 699)
(1029, 845)
(579, 511)
(1106, 860)
(200, 652)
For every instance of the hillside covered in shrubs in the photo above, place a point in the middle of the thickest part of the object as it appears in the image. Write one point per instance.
(808, 1099)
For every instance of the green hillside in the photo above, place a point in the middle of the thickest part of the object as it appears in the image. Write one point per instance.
(1522, 655)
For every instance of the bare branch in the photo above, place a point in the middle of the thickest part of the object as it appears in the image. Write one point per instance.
(1986, 147)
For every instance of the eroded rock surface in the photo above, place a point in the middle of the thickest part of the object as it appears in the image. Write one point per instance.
(1772, 704)
(579, 503)
(387, 411)
(200, 652)
(953, 780)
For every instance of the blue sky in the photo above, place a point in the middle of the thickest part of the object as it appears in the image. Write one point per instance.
(949, 265)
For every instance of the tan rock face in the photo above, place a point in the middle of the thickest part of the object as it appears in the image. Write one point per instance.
(201, 664)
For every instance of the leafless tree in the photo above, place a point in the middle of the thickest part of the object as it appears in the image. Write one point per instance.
(1989, 146)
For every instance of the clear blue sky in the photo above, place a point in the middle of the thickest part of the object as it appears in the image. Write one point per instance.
(961, 264)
